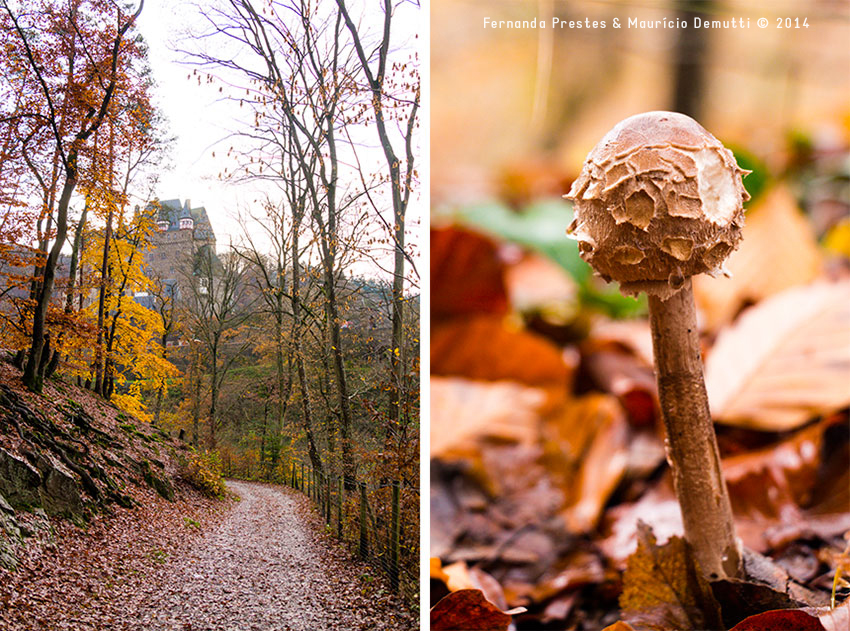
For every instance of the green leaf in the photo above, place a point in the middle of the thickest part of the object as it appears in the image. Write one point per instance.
(541, 227)
(757, 181)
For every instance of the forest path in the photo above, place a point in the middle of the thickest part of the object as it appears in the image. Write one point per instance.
(264, 567)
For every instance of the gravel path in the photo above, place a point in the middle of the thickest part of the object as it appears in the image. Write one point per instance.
(264, 567)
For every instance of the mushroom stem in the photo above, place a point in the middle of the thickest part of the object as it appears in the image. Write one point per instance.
(691, 444)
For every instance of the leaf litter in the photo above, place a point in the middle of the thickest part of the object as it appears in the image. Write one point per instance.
(545, 495)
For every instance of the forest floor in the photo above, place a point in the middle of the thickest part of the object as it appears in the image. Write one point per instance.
(256, 564)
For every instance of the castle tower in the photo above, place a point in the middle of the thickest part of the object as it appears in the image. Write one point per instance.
(183, 231)
(187, 222)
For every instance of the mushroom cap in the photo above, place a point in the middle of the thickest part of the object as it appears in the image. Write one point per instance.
(658, 200)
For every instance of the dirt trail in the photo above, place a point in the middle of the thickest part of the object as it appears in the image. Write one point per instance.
(264, 567)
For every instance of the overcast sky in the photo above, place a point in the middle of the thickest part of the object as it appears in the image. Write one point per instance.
(196, 120)
(200, 122)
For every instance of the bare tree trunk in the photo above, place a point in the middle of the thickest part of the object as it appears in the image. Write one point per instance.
(689, 60)
(72, 277)
(400, 183)
(196, 404)
(213, 391)
(33, 377)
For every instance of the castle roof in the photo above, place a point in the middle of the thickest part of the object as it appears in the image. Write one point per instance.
(172, 211)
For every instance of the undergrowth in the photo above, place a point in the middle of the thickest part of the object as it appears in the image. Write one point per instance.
(203, 470)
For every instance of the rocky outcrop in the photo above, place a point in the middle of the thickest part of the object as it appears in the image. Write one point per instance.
(20, 482)
(10, 535)
(60, 491)
(48, 484)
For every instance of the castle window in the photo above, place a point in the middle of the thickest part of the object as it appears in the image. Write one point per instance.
(186, 224)
(163, 225)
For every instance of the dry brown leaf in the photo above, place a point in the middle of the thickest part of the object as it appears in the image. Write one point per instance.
(602, 467)
(463, 411)
(634, 334)
(770, 485)
(536, 282)
(779, 250)
(468, 610)
(837, 619)
(578, 569)
(436, 570)
(775, 490)
(487, 348)
(664, 589)
(586, 452)
(740, 599)
(461, 576)
(626, 376)
(466, 274)
(619, 626)
(784, 361)
(780, 620)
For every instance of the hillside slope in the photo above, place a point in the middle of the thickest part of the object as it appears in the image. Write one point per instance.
(89, 498)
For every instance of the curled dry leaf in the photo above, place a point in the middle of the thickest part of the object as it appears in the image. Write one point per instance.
(586, 451)
(779, 250)
(468, 610)
(784, 361)
(837, 619)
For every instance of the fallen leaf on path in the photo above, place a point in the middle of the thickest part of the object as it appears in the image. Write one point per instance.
(784, 361)
(664, 589)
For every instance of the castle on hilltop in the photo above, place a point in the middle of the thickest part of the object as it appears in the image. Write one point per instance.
(184, 232)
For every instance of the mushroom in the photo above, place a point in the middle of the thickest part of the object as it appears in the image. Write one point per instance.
(658, 200)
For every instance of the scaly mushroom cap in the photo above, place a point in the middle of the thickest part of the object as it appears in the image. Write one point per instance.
(658, 200)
